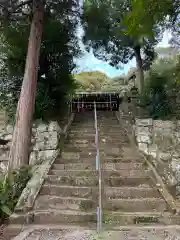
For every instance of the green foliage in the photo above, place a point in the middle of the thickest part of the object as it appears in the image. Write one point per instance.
(98, 81)
(101, 21)
(59, 46)
(107, 25)
(149, 19)
(11, 189)
(161, 80)
(116, 84)
(91, 81)
(155, 98)
(145, 17)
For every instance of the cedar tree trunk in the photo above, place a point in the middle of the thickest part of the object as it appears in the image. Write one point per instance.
(21, 142)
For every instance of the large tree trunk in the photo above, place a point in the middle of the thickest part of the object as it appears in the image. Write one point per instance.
(20, 149)
(139, 64)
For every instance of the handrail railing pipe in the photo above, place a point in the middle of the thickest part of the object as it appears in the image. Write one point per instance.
(98, 168)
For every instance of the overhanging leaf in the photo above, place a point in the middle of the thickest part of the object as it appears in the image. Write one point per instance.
(6, 210)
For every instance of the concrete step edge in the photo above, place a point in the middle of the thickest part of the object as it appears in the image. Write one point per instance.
(129, 200)
(108, 177)
(107, 187)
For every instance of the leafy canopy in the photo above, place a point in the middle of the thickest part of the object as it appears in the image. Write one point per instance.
(109, 31)
(146, 16)
(59, 46)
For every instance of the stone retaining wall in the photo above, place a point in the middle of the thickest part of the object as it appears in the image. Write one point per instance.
(45, 142)
(160, 140)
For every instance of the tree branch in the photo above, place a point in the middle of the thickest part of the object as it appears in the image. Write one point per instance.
(23, 4)
(12, 8)
(3, 7)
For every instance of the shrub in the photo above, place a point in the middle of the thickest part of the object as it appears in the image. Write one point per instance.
(11, 189)
(155, 98)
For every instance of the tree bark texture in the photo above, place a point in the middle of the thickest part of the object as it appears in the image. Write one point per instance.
(139, 64)
(21, 142)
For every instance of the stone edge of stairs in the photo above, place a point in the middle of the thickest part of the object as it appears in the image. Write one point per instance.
(30, 193)
(174, 206)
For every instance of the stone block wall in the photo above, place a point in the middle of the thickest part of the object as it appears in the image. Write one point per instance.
(160, 140)
(45, 143)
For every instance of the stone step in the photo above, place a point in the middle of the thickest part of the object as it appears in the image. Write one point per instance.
(80, 135)
(76, 156)
(124, 205)
(93, 180)
(80, 139)
(85, 151)
(70, 191)
(108, 130)
(117, 135)
(144, 191)
(83, 123)
(73, 158)
(139, 205)
(105, 142)
(137, 218)
(91, 138)
(82, 130)
(11, 231)
(110, 192)
(77, 146)
(117, 173)
(78, 149)
(108, 119)
(149, 232)
(90, 146)
(132, 181)
(108, 137)
(108, 148)
(92, 166)
(91, 134)
(55, 216)
(64, 216)
(67, 203)
(111, 123)
(75, 166)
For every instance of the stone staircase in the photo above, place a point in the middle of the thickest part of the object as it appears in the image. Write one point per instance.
(70, 193)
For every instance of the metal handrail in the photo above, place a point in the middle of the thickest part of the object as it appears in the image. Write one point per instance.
(98, 168)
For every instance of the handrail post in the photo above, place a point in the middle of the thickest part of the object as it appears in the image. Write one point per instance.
(98, 168)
